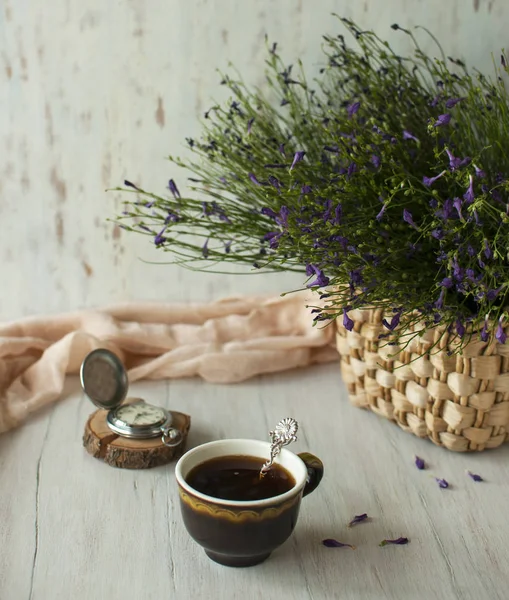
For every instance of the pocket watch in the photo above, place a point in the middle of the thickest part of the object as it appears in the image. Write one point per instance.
(104, 381)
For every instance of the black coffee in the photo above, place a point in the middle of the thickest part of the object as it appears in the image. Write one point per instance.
(238, 478)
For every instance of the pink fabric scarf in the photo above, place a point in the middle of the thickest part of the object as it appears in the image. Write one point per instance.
(226, 341)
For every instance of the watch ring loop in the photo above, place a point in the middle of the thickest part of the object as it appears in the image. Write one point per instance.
(171, 437)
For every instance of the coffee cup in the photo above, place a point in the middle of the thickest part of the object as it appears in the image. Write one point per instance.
(243, 533)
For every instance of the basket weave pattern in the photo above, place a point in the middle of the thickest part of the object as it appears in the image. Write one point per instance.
(460, 402)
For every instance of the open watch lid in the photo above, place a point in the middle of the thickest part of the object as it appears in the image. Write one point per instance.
(104, 379)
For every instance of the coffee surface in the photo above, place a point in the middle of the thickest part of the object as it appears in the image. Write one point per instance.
(238, 478)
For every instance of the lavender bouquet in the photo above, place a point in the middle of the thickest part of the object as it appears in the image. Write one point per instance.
(385, 182)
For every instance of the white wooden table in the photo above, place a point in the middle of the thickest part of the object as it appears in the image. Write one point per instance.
(72, 527)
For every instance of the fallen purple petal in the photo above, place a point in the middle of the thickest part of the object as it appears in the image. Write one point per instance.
(358, 519)
(419, 463)
(442, 483)
(474, 476)
(331, 543)
(401, 541)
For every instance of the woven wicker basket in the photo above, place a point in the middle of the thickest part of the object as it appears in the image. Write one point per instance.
(460, 402)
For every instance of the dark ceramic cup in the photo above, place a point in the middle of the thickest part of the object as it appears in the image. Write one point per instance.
(244, 533)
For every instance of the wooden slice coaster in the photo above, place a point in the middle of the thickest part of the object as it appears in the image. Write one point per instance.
(125, 453)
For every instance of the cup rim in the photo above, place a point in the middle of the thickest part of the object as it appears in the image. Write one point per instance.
(285, 456)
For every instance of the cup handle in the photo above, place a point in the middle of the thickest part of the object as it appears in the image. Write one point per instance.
(315, 471)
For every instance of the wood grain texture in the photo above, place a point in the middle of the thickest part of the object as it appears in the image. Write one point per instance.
(93, 91)
(124, 453)
(73, 527)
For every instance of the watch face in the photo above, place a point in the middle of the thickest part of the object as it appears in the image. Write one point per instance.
(140, 414)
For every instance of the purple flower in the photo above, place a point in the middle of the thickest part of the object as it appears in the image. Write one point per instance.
(440, 302)
(492, 294)
(409, 136)
(381, 213)
(460, 328)
(457, 163)
(129, 184)
(451, 103)
(252, 176)
(171, 217)
(479, 172)
(435, 100)
(442, 483)
(282, 149)
(172, 186)
(268, 212)
(205, 249)
(446, 282)
(227, 247)
(274, 181)
(500, 334)
(375, 160)
(407, 217)
(338, 213)
(305, 189)
(297, 158)
(358, 519)
(249, 125)
(457, 202)
(429, 181)
(352, 167)
(442, 120)
(282, 217)
(273, 238)
(469, 194)
(484, 331)
(419, 463)
(487, 250)
(330, 543)
(347, 322)
(474, 476)
(353, 108)
(399, 541)
(394, 322)
(159, 238)
(321, 280)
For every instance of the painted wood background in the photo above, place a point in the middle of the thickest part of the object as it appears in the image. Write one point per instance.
(91, 92)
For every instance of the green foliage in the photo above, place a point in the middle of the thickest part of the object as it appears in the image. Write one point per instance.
(385, 182)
